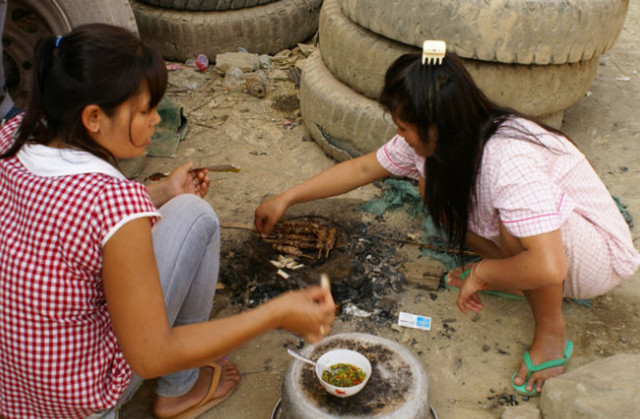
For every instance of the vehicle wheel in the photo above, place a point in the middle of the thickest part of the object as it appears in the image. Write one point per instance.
(506, 31)
(343, 122)
(29, 20)
(205, 5)
(264, 29)
(359, 58)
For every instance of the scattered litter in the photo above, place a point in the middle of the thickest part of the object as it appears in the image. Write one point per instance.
(276, 263)
(306, 49)
(202, 62)
(265, 62)
(257, 84)
(287, 262)
(294, 74)
(353, 310)
(623, 78)
(174, 67)
(289, 124)
(414, 321)
(283, 274)
(234, 79)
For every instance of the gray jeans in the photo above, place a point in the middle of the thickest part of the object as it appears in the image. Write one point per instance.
(186, 243)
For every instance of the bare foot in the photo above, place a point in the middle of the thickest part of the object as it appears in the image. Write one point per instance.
(166, 407)
(542, 350)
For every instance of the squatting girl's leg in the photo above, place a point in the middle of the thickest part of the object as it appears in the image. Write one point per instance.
(550, 334)
(187, 247)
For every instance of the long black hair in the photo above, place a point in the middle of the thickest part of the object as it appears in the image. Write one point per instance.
(445, 96)
(96, 64)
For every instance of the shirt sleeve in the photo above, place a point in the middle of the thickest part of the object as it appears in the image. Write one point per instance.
(523, 192)
(400, 159)
(119, 203)
(8, 132)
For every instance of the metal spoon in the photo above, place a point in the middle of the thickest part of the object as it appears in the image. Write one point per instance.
(308, 361)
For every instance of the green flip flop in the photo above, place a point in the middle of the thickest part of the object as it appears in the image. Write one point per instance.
(522, 389)
(488, 292)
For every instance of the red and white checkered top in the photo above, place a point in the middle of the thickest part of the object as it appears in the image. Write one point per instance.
(531, 188)
(59, 356)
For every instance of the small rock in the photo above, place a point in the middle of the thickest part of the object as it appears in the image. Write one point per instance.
(242, 60)
(606, 388)
(521, 412)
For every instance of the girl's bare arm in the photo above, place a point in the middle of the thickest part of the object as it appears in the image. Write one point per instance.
(540, 261)
(136, 306)
(336, 180)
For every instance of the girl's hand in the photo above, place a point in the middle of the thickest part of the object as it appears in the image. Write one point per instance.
(308, 313)
(468, 298)
(184, 179)
(181, 180)
(269, 213)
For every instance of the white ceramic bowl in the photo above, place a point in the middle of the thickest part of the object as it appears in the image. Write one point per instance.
(344, 356)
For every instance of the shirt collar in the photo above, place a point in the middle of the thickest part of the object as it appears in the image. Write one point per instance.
(49, 161)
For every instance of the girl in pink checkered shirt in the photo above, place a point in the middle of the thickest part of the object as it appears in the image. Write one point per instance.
(516, 191)
(97, 292)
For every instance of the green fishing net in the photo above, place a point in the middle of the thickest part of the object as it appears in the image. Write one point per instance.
(404, 194)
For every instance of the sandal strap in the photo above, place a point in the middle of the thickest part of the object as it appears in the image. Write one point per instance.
(215, 380)
(568, 350)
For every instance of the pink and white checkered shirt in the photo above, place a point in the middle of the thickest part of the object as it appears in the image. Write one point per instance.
(59, 356)
(530, 188)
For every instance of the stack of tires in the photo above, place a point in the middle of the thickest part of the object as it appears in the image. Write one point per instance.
(183, 29)
(536, 56)
(29, 20)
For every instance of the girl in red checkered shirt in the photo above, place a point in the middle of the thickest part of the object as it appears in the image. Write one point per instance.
(97, 292)
(516, 191)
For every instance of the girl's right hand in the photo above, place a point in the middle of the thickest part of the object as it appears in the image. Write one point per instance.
(309, 312)
(269, 213)
(468, 298)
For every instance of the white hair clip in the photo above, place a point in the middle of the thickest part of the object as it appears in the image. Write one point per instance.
(433, 52)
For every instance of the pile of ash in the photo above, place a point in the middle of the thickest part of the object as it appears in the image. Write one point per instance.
(362, 267)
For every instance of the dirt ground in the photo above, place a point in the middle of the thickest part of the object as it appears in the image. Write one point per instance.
(469, 359)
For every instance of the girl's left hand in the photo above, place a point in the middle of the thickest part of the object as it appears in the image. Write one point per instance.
(468, 298)
(184, 179)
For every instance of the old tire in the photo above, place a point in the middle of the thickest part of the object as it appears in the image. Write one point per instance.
(359, 58)
(29, 20)
(506, 31)
(264, 29)
(205, 5)
(344, 123)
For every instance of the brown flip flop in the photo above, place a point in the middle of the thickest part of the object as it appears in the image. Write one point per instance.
(207, 403)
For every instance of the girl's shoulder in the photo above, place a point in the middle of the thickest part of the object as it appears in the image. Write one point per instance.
(8, 132)
(524, 134)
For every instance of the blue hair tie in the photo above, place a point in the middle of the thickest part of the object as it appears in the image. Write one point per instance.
(58, 40)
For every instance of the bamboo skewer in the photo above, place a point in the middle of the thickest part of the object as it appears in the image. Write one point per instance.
(403, 241)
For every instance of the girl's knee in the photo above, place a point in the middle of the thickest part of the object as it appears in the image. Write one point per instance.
(191, 210)
(189, 205)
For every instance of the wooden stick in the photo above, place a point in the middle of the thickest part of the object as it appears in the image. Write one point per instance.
(413, 243)
(425, 245)
(242, 226)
